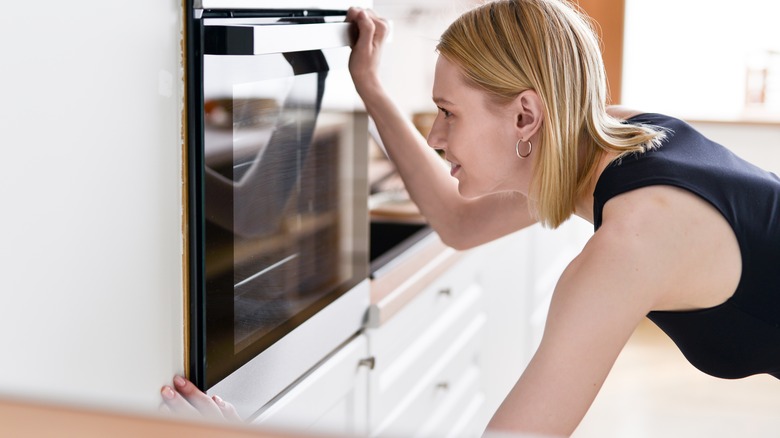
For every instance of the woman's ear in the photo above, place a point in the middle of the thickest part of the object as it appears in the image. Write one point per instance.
(529, 111)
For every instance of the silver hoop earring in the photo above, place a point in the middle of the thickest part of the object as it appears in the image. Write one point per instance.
(517, 149)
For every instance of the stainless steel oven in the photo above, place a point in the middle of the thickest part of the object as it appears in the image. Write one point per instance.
(277, 195)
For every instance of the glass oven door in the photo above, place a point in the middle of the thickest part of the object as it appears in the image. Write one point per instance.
(283, 186)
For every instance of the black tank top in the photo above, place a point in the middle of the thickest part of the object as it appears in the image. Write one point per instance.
(740, 337)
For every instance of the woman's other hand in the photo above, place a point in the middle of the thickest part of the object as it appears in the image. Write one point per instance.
(185, 398)
(366, 47)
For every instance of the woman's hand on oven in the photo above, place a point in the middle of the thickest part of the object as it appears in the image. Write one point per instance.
(369, 32)
(185, 398)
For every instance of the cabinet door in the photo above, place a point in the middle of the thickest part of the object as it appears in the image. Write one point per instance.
(551, 253)
(504, 271)
(518, 274)
(332, 399)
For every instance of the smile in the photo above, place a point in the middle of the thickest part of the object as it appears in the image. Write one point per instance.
(454, 168)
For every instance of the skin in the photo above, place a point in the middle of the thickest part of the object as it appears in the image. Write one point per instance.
(184, 398)
(659, 248)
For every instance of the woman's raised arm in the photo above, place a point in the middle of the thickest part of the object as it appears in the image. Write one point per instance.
(460, 222)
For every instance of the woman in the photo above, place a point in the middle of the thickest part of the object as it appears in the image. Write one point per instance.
(686, 233)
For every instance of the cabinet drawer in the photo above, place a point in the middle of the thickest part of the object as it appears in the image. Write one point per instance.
(427, 379)
(423, 311)
(459, 415)
(331, 399)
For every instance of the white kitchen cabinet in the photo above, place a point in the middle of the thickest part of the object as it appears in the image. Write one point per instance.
(427, 377)
(331, 399)
(519, 273)
(551, 251)
(445, 361)
(505, 272)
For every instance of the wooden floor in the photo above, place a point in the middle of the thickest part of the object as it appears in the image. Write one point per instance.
(653, 391)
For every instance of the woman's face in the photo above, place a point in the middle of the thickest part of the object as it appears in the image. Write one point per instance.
(477, 136)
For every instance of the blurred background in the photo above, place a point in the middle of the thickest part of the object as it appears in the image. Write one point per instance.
(695, 59)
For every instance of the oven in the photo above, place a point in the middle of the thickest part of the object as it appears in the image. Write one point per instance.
(277, 195)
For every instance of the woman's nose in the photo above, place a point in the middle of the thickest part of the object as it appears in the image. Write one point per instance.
(436, 138)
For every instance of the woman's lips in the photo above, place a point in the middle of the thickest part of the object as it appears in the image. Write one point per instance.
(454, 168)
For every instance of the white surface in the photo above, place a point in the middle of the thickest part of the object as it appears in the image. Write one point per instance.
(690, 57)
(408, 61)
(280, 39)
(428, 360)
(518, 273)
(90, 145)
(508, 283)
(505, 273)
(332, 399)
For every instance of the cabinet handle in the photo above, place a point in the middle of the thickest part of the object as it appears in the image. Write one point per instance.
(444, 386)
(446, 291)
(369, 362)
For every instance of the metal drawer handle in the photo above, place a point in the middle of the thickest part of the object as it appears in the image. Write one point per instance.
(444, 386)
(369, 362)
(446, 291)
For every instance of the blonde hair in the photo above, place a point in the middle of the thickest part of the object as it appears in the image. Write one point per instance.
(508, 46)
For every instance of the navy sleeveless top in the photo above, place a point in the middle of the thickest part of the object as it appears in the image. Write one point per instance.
(740, 337)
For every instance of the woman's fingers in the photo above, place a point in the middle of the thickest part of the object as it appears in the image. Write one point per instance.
(381, 27)
(371, 30)
(174, 402)
(366, 29)
(197, 398)
(164, 407)
(227, 409)
(366, 48)
(185, 398)
(352, 13)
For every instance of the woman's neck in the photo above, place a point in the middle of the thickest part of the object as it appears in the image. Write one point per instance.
(583, 205)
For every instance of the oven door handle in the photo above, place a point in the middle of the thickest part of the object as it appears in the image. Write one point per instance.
(245, 39)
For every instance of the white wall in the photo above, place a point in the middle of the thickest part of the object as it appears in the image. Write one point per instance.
(690, 58)
(409, 57)
(90, 195)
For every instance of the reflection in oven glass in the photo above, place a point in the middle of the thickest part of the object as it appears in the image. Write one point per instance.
(276, 277)
(282, 205)
(270, 177)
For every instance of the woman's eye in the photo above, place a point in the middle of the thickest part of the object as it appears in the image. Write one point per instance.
(446, 113)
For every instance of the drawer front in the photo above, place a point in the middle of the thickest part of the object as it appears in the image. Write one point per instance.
(331, 399)
(429, 376)
(462, 414)
(423, 311)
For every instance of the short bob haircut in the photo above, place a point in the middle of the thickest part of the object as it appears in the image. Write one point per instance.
(505, 47)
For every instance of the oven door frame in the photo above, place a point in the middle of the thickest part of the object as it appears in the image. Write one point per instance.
(279, 366)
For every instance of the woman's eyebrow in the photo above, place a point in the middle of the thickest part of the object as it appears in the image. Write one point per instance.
(441, 101)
